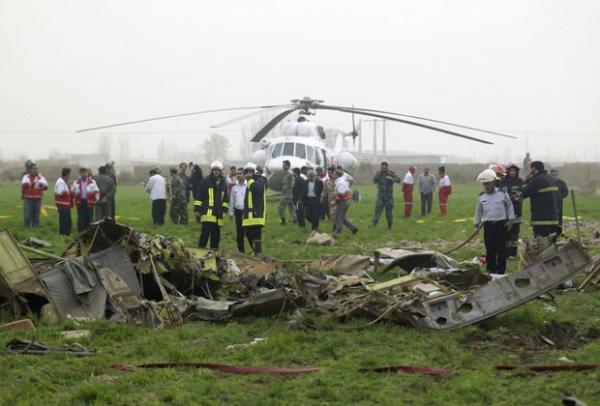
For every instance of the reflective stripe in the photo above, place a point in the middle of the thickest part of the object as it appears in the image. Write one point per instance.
(197, 202)
(250, 204)
(226, 205)
(544, 223)
(548, 189)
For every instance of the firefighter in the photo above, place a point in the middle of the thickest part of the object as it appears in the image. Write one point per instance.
(542, 190)
(494, 210)
(255, 207)
(33, 185)
(512, 184)
(563, 192)
(445, 190)
(63, 198)
(85, 193)
(407, 189)
(385, 179)
(213, 203)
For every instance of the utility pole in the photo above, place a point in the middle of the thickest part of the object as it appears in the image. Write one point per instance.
(375, 139)
(360, 138)
(384, 141)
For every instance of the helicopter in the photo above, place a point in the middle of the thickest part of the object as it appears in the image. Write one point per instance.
(302, 141)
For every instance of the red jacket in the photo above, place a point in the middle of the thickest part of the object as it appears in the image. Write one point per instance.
(93, 193)
(63, 196)
(33, 186)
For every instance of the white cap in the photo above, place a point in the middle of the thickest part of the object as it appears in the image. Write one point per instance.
(250, 165)
(486, 176)
(216, 165)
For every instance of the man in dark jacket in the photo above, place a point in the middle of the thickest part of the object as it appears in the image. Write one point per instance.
(255, 207)
(313, 189)
(542, 190)
(512, 184)
(298, 196)
(384, 179)
(212, 206)
(106, 185)
(563, 192)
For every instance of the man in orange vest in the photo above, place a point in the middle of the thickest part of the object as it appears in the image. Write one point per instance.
(33, 184)
(63, 198)
(407, 188)
(86, 193)
(445, 190)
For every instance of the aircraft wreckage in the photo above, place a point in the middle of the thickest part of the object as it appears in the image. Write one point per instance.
(113, 272)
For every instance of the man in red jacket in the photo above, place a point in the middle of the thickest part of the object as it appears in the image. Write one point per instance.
(63, 198)
(33, 185)
(445, 190)
(407, 189)
(86, 193)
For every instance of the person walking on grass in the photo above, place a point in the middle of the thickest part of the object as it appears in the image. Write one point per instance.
(342, 202)
(407, 189)
(312, 199)
(236, 207)
(445, 190)
(255, 207)
(286, 202)
(494, 211)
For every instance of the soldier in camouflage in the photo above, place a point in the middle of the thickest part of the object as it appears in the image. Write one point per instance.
(385, 179)
(287, 182)
(179, 198)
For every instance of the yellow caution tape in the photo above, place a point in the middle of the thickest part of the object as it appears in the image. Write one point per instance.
(420, 221)
(460, 220)
(44, 212)
(4, 216)
(133, 218)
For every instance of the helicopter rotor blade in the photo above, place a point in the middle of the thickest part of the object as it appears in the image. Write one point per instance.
(413, 123)
(271, 124)
(434, 121)
(178, 115)
(249, 115)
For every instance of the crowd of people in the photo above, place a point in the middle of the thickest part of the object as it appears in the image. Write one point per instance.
(309, 196)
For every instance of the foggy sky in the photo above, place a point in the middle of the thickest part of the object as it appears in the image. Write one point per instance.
(530, 68)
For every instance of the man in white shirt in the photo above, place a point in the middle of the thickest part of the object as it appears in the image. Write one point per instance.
(445, 190)
(236, 207)
(407, 189)
(342, 202)
(157, 188)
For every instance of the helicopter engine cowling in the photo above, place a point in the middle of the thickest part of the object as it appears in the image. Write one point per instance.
(259, 157)
(347, 160)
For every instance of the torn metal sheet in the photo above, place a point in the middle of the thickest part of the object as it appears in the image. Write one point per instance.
(209, 310)
(411, 258)
(117, 260)
(501, 294)
(343, 264)
(67, 302)
(267, 303)
(119, 292)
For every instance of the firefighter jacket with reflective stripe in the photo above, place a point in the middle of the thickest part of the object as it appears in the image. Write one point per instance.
(33, 186)
(212, 200)
(62, 194)
(513, 186)
(542, 190)
(93, 193)
(255, 203)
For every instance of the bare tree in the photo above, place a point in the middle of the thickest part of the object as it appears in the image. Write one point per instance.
(216, 148)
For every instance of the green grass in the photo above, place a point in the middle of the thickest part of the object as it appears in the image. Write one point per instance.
(338, 348)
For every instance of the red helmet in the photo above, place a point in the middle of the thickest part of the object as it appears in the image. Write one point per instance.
(499, 169)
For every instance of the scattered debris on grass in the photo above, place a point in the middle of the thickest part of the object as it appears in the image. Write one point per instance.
(411, 369)
(113, 272)
(32, 347)
(228, 369)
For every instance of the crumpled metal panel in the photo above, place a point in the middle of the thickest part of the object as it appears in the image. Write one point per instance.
(117, 260)
(60, 289)
(503, 293)
(14, 266)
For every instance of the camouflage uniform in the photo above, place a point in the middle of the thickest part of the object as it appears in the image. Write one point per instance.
(385, 195)
(179, 209)
(287, 182)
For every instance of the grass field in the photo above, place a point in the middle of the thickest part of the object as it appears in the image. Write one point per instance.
(338, 348)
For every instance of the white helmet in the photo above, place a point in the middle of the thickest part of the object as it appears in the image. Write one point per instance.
(216, 165)
(486, 176)
(250, 165)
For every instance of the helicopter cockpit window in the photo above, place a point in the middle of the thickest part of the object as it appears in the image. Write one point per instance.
(277, 150)
(310, 153)
(301, 151)
(288, 149)
(318, 160)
